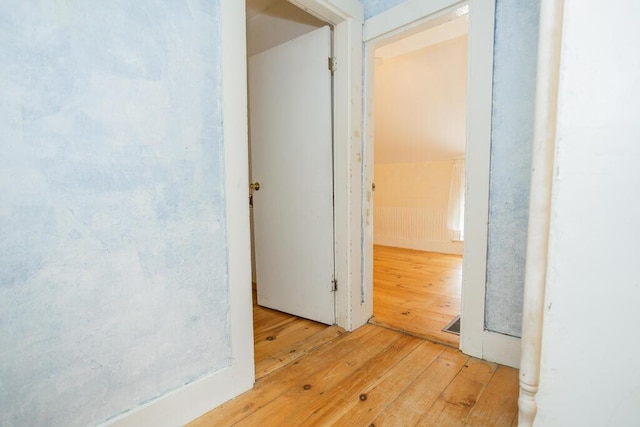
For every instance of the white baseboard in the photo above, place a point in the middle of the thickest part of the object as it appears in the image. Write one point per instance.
(188, 402)
(421, 245)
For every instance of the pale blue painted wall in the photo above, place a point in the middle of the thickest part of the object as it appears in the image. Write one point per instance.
(113, 280)
(514, 82)
(513, 92)
(375, 7)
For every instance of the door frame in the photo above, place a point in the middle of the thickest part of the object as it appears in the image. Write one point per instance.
(346, 17)
(397, 22)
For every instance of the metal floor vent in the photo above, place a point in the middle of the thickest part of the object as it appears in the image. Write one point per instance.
(453, 327)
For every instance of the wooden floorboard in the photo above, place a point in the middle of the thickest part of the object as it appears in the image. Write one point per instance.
(376, 376)
(286, 355)
(280, 338)
(417, 292)
(309, 374)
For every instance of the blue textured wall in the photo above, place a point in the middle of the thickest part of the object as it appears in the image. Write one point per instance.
(514, 82)
(113, 280)
(375, 7)
(515, 51)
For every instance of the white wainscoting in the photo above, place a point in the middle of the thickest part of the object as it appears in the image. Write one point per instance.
(410, 207)
(415, 227)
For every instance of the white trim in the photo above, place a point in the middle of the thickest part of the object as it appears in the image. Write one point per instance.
(479, 108)
(346, 17)
(544, 136)
(502, 349)
(332, 11)
(351, 313)
(194, 399)
(404, 19)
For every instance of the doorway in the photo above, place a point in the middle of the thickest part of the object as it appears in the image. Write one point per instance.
(420, 94)
(291, 170)
(391, 26)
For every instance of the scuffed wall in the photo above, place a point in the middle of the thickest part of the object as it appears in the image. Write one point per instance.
(113, 280)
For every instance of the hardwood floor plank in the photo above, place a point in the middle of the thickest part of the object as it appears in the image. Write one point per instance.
(514, 423)
(498, 403)
(479, 370)
(265, 319)
(411, 404)
(272, 386)
(406, 380)
(282, 336)
(393, 383)
(293, 352)
(462, 391)
(419, 323)
(417, 292)
(444, 414)
(353, 388)
(454, 405)
(300, 396)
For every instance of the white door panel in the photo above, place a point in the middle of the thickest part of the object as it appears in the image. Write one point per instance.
(291, 155)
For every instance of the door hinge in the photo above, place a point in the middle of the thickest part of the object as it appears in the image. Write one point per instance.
(333, 64)
(334, 285)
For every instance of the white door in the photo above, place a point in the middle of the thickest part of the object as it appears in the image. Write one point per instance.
(291, 159)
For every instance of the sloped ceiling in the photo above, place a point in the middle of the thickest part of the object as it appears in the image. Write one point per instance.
(420, 96)
(441, 33)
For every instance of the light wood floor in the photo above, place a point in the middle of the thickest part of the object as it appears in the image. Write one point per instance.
(309, 374)
(417, 292)
(281, 338)
(375, 376)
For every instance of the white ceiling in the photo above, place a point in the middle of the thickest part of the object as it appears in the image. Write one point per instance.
(443, 32)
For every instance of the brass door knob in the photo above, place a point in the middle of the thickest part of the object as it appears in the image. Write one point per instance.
(255, 186)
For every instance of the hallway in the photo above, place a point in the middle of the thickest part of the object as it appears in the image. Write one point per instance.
(376, 376)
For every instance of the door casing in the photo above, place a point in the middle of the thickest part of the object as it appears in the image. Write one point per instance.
(346, 18)
(398, 22)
